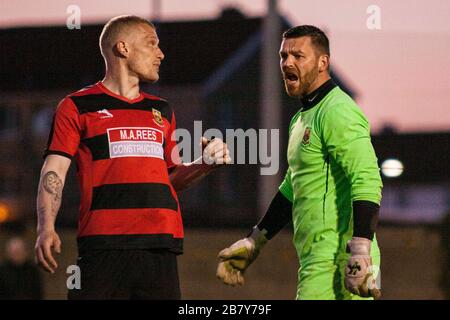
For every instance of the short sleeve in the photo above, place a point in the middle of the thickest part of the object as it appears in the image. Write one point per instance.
(65, 133)
(346, 135)
(171, 152)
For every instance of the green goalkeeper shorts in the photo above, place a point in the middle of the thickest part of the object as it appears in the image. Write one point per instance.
(324, 280)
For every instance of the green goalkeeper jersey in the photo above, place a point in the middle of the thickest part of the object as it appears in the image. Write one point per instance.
(331, 164)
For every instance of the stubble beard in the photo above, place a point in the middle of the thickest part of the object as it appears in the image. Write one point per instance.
(307, 81)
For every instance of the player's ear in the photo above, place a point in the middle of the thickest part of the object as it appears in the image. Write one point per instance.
(121, 49)
(324, 62)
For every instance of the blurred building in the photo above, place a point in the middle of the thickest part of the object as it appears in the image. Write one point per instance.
(420, 195)
(211, 72)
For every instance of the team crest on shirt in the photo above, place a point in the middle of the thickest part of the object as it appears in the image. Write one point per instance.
(306, 136)
(157, 118)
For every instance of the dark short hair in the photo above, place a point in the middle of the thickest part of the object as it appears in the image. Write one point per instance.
(113, 26)
(317, 36)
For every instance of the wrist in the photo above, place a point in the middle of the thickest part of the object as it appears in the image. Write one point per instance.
(45, 229)
(207, 168)
(359, 246)
(258, 236)
(204, 166)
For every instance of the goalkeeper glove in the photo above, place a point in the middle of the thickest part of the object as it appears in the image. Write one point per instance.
(235, 259)
(359, 277)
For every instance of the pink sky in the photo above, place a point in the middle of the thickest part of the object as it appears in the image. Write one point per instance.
(401, 72)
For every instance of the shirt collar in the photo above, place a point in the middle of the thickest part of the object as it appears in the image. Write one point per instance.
(313, 98)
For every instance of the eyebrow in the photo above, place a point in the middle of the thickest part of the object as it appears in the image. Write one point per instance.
(292, 51)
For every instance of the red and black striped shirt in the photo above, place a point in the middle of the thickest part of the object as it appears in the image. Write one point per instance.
(123, 149)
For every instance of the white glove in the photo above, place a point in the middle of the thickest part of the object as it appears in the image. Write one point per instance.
(235, 259)
(359, 277)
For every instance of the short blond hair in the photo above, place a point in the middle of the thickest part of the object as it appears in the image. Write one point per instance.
(114, 26)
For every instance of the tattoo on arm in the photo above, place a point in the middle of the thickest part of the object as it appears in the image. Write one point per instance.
(53, 184)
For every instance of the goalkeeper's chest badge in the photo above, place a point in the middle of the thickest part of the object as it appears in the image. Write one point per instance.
(157, 117)
(306, 136)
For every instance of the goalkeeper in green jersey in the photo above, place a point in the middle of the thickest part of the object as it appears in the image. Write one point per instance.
(332, 188)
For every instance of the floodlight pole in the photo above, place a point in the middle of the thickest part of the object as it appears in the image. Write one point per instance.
(270, 102)
(156, 11)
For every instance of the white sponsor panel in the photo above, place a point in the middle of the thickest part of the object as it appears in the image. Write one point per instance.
(136, 149)
(136, 142)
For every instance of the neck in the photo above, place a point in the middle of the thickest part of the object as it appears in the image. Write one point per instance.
(319, 81)
(119, 81)
(313, 98)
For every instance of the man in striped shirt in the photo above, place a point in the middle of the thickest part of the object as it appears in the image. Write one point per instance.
(129, 227)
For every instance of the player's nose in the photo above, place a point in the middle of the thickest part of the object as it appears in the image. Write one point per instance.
(287, 63)
(160, 54)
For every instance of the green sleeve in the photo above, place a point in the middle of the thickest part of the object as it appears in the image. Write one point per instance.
(286, 187)
(346, 135)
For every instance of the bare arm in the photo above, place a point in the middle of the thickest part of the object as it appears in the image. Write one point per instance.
(215, 154)
(49, 197)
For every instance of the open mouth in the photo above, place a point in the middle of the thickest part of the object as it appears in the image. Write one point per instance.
(290, 77)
